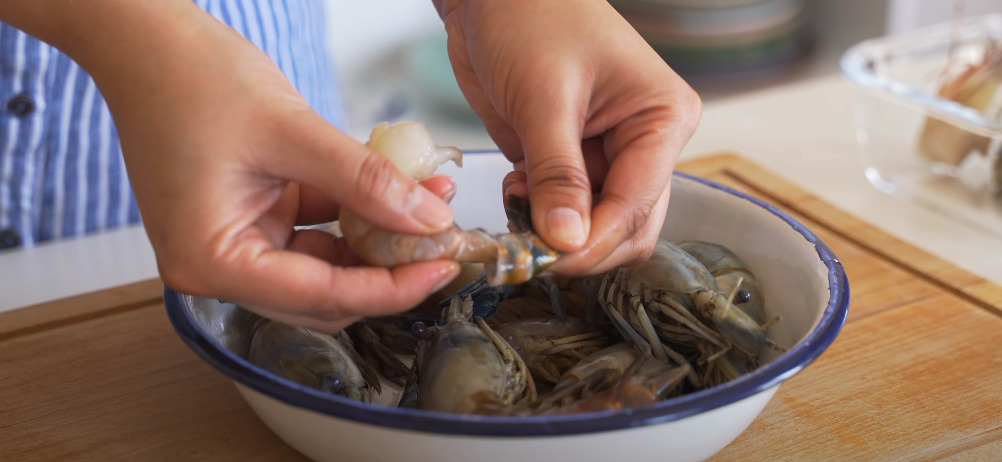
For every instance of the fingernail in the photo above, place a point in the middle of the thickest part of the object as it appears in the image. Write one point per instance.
(449, 195)
(566, 225)
(429, 209)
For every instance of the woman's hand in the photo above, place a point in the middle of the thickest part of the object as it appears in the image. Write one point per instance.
(225, 157)
(580, 103)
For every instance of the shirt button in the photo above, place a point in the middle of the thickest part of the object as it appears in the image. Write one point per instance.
(21, 105)
(9, 239)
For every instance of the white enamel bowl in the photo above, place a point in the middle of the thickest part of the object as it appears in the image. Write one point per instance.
(802, 280)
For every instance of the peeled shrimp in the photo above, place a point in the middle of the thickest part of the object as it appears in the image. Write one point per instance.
(509, 258)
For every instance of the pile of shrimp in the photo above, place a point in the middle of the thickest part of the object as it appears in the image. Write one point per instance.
(501, 342)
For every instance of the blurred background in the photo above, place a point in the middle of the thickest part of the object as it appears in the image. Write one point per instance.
(390, 54)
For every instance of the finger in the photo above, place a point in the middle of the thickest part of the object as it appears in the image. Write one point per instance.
(356, 177)
(595, 162)
(302, 289)
(503, 136)
(635, 193)
(515, 183)
(315, 207)
(559, 189)
(634, 250)
(323, 245)
(642, 150)
(442, 186)
(593, 151)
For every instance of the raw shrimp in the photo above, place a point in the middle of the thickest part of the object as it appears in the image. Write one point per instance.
(612, 378)
(309, 358)
(509, 258)
(552, 345)
(464, 366)
(674, 297)
(731, 275)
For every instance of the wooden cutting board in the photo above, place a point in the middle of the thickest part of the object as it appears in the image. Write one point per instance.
(915, 374)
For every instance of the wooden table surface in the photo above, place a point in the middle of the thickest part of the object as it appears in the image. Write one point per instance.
(916, 374)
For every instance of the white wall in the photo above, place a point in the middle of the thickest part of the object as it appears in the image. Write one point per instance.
(367, 39)
(362, 31)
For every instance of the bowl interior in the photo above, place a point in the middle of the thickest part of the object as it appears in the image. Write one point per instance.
(802, 281)
(787, 264)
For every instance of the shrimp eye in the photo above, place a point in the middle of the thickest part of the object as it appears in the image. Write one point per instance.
(743, 296)
(332, 384)
(419, 330)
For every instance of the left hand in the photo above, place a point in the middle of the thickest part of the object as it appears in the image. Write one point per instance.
(225, 157)
(582, 105)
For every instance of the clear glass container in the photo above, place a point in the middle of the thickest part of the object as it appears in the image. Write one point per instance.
(928, 107)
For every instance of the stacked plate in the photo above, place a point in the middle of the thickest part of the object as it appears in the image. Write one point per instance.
(721, 39)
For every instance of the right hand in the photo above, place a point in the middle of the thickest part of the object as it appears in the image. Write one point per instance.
(592, 118)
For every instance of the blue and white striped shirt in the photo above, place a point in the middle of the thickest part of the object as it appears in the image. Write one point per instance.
(61, 167)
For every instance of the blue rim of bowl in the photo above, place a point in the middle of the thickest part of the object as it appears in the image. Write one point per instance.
(767, 376)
